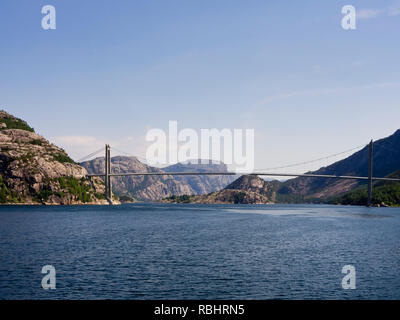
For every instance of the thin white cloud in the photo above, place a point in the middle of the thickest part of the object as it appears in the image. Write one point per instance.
(78, 146)
(326, 91)
(394, 10)
(316, 69)
(76, 140)
(81, 146)
(369, 13)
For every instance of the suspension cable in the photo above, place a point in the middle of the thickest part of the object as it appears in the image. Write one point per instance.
(129, 154)
(90, 155)
(312, 161)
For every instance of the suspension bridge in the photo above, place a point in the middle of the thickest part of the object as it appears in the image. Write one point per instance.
(107, 174)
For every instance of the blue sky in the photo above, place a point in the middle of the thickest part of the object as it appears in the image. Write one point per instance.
(113, 69)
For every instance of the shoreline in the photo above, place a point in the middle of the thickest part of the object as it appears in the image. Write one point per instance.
(179, 203)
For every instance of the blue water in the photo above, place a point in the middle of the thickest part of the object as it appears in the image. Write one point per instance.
(166, 251)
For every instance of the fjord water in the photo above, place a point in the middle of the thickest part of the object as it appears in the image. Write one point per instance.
(168, 251)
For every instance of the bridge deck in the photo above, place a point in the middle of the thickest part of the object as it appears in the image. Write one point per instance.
(307, 175)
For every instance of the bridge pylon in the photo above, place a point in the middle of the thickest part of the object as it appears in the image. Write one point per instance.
(107, 172)
(371, 155)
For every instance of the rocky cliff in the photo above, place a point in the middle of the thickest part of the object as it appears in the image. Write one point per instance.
(247, 189)
(34, 171)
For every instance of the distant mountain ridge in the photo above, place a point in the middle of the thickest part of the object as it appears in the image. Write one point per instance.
(202, 184)
(152, 188)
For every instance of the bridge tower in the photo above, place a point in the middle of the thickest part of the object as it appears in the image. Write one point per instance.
(371, 155)
(107, 172)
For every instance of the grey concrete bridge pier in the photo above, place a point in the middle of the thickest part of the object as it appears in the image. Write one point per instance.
(107, 172)
(371, 155)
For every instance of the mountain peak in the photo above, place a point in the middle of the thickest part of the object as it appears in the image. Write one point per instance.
(246, 182)
(8, 121)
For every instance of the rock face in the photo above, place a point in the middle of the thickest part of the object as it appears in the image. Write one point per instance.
(202, 184)
(152, 188)
(245, 190)
(33, 171)
(146, 188)
(386, 161)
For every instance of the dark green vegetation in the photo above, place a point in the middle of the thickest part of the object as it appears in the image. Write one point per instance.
(238, 197)
(44, 194)
(383, 193)
(79, 189)
(126, 198)
(63, 158)
(75, 187)
(181, 199)
(15, 123)
(6, 195)
(36, 142)
(27, 157)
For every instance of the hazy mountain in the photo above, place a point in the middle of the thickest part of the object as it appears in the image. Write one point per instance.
(202, 184)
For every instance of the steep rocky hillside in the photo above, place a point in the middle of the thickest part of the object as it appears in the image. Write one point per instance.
(386, 160)
(34, 171)
(247, 189)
